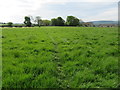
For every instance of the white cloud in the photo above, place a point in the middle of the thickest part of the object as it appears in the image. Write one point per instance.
(110, 14)
(15, 10)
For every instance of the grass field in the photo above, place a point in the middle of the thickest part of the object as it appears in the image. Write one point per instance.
(60, 57)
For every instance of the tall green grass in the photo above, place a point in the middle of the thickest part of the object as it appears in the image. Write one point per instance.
(60, 57)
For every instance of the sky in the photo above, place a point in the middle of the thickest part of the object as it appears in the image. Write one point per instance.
(87, 10)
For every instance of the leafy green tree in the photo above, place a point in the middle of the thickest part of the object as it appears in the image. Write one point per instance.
(45, 22)
(72, 21)
(54, 22)
(60, 21)
(9, 24)
(27, 21)
(57, 22)
(38, 20)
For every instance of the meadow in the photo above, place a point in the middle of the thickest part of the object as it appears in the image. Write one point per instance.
(60, 57)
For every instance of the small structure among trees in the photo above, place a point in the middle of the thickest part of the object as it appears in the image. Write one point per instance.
(88, 24)
(108, 25)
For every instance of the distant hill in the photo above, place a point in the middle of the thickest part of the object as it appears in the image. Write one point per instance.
(104, 22)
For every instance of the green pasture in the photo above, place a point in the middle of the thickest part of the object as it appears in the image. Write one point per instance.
(60, 57)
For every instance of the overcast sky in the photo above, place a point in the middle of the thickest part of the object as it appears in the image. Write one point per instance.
(87, 10)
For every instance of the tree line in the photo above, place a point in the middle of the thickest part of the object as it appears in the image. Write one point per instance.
(29, 21)
(59, 21)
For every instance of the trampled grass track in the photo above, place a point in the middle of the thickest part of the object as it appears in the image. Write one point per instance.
(60, 57)
(60, 74)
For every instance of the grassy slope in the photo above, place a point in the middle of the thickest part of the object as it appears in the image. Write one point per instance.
(51, 57)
